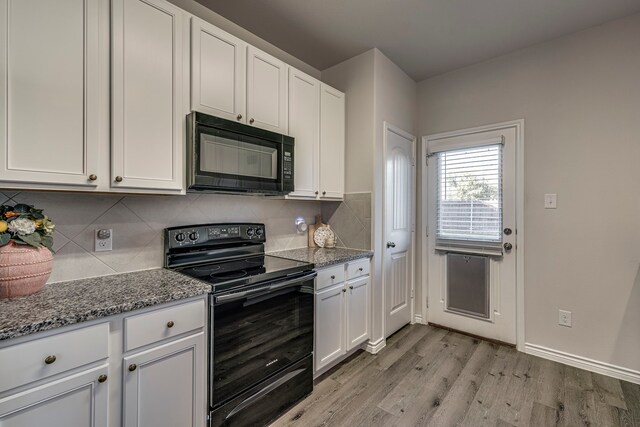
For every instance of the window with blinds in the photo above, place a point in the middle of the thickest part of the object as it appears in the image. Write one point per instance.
(469, 199)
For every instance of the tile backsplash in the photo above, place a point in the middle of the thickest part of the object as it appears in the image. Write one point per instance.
(138, 220)
(350, 220)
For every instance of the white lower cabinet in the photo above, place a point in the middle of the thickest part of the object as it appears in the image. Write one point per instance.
(83, 376)
(78, 400)
(330, 312)
(342, 315)
(162, 386)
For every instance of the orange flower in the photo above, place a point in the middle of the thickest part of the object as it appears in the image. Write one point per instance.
(11, 214)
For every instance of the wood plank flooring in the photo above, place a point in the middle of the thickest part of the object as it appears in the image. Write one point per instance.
(427, 376)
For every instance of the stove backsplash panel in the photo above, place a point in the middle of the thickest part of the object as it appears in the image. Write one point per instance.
(137, 223)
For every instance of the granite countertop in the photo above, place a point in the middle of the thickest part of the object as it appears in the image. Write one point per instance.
(322, 257)
(66, 303)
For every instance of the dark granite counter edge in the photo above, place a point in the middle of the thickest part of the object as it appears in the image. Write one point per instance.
(98, 313)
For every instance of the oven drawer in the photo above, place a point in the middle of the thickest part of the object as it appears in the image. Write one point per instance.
(267, 400)
(357, 269)
(330, 276)
(41, 358)
(144, 329)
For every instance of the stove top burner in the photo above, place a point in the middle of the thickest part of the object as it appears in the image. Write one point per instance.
(228, 274)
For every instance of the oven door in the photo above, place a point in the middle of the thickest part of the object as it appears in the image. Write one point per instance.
(259, 332)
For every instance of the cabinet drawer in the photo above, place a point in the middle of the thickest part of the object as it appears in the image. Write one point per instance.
(357, 269)
(160, 324)
(330, 276)
(24, 363)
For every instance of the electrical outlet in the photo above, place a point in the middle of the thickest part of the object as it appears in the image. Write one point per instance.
(550, 201)
(104, 240)
(564, 318)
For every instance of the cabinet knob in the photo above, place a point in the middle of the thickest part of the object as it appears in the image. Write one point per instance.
(360, 269)
(132, 367)
(251, 120)
(344, 290)
(239, 117)
(118, 178)
(49, 359)
(350, 287)
(102, 378)
(324, 192)
(316, 193)
(333, 277)
(170, 324)
(93, 177)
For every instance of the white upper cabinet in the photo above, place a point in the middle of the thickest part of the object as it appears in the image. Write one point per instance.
(148, 116)
(304, 126)
(218, 72)
(266, 91)
(49, 86)
(332, 136)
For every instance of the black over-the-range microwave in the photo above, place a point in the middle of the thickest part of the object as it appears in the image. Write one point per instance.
(229, 157)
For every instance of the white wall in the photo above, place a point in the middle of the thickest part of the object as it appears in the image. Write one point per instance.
(580, 98)
(377, 90)
(212, 17)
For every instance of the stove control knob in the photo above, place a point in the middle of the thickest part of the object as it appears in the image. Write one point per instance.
(250, 231)
(259, 232)
(180, 237)
(193, 236)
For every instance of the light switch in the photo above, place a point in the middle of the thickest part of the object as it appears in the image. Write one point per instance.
(550, 201)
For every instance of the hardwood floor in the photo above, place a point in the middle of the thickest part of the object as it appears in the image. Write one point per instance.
(431, 377)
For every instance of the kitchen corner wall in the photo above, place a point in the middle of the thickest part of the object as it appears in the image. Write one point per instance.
(350, 220)
(138, 222)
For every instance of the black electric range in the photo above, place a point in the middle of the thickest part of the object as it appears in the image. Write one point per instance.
(260, 321)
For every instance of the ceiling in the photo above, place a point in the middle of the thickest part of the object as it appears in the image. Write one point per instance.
(423, 37)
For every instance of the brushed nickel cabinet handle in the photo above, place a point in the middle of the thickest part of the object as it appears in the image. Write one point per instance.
(132, 367)
(102, 378)
(170, 324)
(50, 359)
(93, 177)
(118, 179)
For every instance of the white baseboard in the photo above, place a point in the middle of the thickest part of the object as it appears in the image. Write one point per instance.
(375, 347)
(583, 363)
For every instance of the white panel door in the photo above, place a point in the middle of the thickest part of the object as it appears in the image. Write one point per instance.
(147, 87)
(266, 91)
(357, 311)
(304, 126)
(79, 400)
(218, 72)
(49, 84)
(399, 226)
(501, 322)
(165, 386)
(330, 325)
(332, 135)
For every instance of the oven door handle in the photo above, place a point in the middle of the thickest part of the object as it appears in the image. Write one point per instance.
(281, 285)
(292, 282)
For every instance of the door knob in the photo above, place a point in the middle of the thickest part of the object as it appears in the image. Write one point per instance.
(391, 245)
(507, 246)
(507, 231)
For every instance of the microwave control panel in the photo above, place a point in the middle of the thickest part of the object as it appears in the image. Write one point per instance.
(287, 166)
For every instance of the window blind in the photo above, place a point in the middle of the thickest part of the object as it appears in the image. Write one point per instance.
(469, 199)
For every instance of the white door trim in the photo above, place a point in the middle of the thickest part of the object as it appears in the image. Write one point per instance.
(390, 127)
(518, 125)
